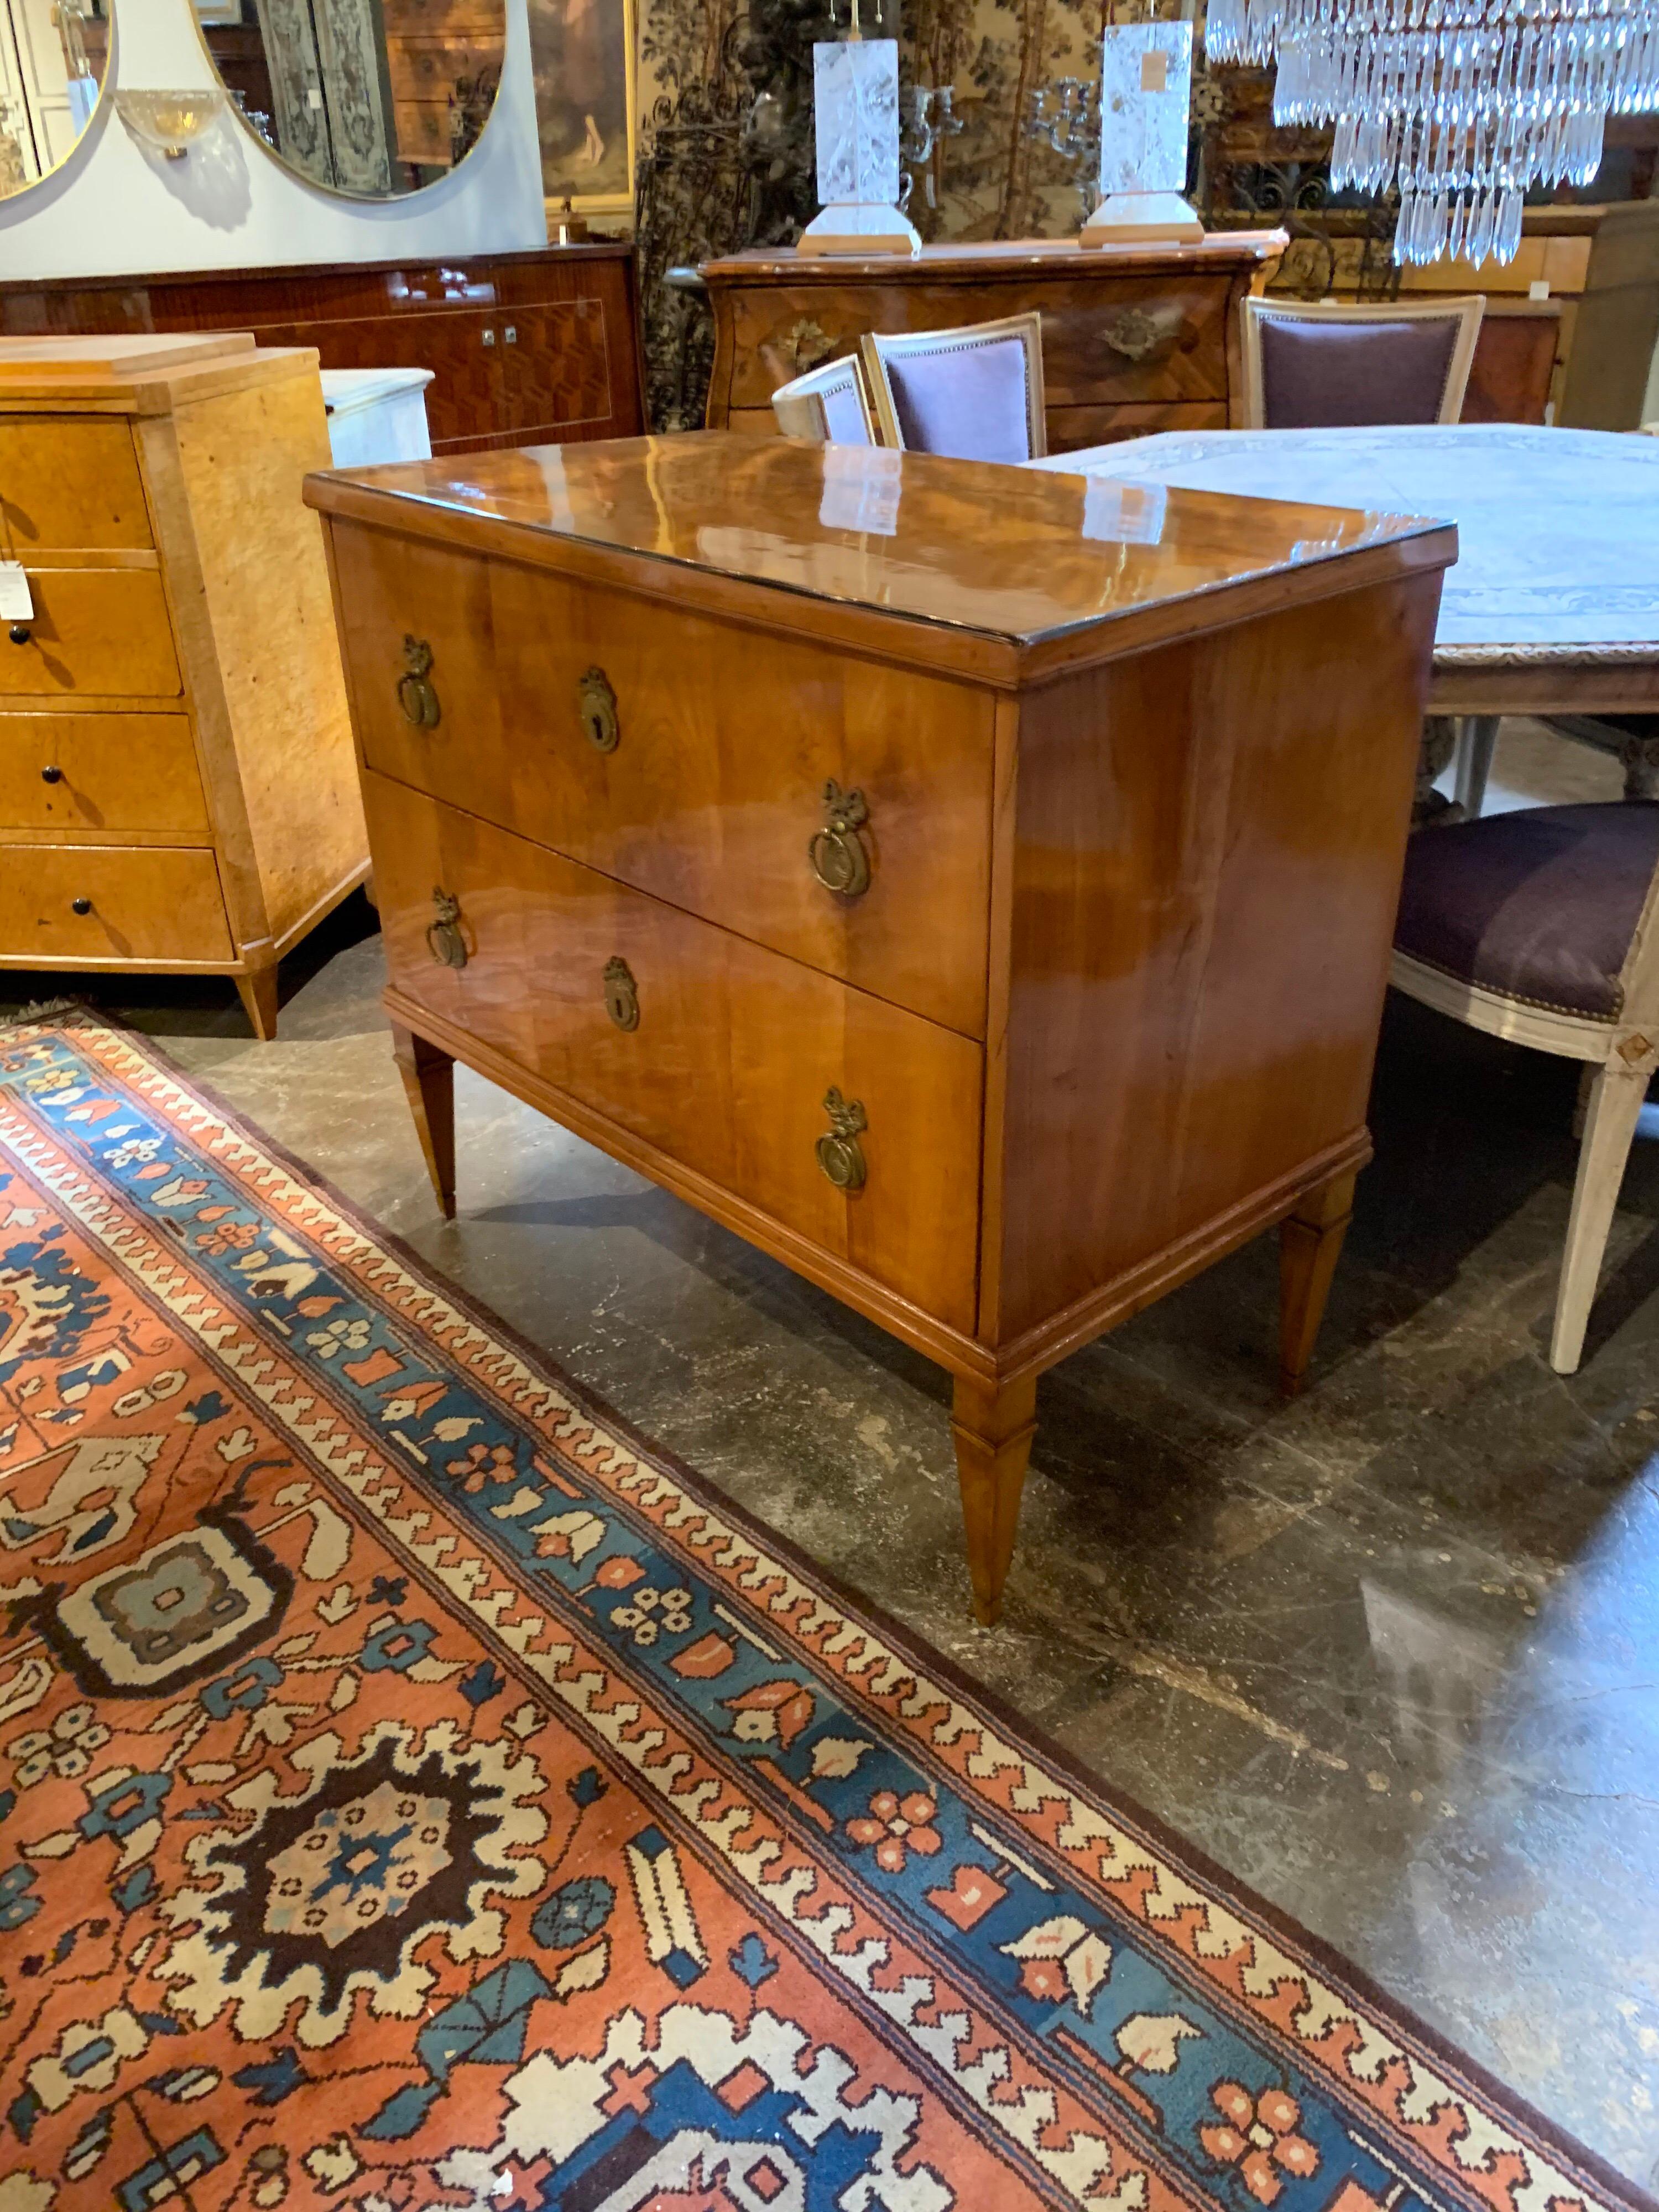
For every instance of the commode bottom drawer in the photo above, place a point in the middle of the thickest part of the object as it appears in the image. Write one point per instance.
(716, 1052)
(102, 904)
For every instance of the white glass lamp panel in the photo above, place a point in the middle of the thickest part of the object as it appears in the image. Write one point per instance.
(1146, 97)
(856, 117)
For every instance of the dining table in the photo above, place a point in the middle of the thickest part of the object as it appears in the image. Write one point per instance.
(1552, 609)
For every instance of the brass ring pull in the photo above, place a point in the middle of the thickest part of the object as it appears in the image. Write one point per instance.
(622, 995)
(598, 704)
(840, 1153)
(415, 693)
(837, 853)
(443, 936)
(1134, 334)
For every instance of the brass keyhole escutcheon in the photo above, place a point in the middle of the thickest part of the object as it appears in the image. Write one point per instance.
(598, 704)
(840, 1153)
(443, 935)
(415, 693)
(622, 994)
(837, 851)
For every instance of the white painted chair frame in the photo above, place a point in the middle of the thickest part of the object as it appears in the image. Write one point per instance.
(1254, 311)
(799, 405)
(1619, 1056)
(879, 347)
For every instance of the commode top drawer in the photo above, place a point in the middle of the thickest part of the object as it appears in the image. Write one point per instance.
(834, 809)
(69, 483)
(851, 1122)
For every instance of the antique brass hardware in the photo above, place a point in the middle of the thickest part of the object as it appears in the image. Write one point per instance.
(597, 704)
(443, 936)
(807, 343)
(1133, 334)
(837, 853)
(415, 693)
(622, 996)
(840, 1153)
(52, 776)
(80, 906)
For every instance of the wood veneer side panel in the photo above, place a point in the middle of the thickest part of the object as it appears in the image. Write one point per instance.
(717, 407)
(245, 455)
(998, 978)
(1208, 847)
(168, 494)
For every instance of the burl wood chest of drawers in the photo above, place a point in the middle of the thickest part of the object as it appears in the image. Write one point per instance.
(974, 886)
(177, 788)
(1135, 338)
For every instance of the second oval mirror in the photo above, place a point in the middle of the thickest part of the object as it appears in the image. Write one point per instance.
(373, 98)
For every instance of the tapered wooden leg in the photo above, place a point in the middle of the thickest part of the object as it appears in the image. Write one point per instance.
(1615, 1101)
(257, 992)
(429, 1081)
(992, 1426)
(1310, 1240)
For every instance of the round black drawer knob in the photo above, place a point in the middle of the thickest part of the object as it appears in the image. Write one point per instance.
(19, 633)
(52, 776)
(80, 905)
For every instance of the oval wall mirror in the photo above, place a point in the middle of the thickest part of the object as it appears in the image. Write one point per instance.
(372, 97)
(54, 59)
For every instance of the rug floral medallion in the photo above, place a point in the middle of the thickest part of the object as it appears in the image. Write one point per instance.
(417, 1792)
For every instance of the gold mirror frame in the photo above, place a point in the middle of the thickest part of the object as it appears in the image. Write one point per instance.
(31, 110)
(228, 15)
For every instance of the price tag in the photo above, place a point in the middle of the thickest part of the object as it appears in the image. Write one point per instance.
(15, 603)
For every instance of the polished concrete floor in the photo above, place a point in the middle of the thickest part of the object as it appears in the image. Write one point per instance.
(1391, 1654)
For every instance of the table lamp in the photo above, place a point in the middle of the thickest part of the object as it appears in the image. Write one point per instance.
(1146, 98)
(856, 117)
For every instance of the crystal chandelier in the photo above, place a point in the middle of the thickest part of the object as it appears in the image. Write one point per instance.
(1463, 105)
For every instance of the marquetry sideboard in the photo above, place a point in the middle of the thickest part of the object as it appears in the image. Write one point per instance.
(973, 888)
(177, 787)
(1135, 338)
(522, 347)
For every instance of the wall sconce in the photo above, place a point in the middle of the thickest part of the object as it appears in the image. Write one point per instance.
(168, 122)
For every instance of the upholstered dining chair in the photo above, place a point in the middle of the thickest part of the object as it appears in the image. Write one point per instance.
(830, 404)
(973, 394)
(1542, 926)
(1329, 364)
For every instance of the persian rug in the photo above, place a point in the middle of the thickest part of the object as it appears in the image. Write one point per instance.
(419, 1791)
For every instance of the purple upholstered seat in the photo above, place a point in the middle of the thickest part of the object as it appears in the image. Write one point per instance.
(966, 402)
(1540, 905)
(1320, 375)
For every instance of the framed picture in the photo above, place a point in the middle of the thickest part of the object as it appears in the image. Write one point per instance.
(217, 13)
(582, 55)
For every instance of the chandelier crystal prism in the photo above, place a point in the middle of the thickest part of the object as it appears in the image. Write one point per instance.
(1462, 106)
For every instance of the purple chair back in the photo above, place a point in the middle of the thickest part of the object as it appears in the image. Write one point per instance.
(967, 402)
(844, 419)
(1317, 376)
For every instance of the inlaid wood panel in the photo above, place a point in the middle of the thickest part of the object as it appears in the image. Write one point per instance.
(76, 492)
(706, 807)
(141, 902)
(101, 632)
(700, 1076)
(413, 314)
(1139, 339)
(109, 773)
